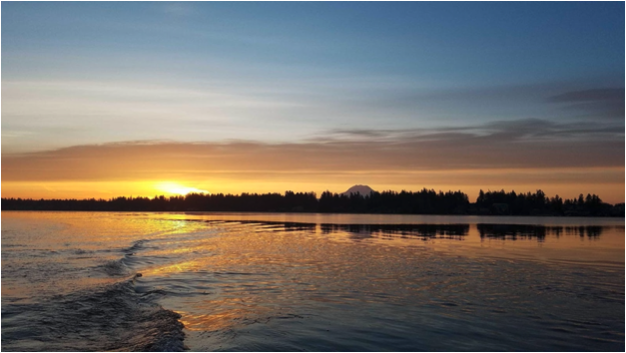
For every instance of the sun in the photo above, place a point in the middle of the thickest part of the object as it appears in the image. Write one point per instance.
(173, 188)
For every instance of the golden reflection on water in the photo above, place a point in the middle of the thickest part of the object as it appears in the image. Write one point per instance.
(222, 314)
(256, 268)
(259, 271)
(166, 270)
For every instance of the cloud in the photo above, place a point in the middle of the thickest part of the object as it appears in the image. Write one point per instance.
(598, 94)
(506, 130)
(595, 103)
(177, 9)
(524, 144)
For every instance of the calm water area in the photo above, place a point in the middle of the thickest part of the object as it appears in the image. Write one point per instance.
(80, 281)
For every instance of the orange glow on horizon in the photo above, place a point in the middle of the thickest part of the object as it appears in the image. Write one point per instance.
(154, 169)
(608, 192)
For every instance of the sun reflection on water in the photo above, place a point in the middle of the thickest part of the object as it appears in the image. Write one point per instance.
(223, 272)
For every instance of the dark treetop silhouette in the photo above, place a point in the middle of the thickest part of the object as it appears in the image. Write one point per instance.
(404, 202)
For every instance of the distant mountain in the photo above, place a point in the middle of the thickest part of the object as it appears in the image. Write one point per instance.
(359, 189)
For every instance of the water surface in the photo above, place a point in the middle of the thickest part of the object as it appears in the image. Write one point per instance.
(167, 281)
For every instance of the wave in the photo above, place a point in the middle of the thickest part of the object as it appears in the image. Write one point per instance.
(112, 318)
(123, 266)
(137, 245)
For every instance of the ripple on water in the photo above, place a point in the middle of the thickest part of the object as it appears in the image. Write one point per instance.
(254, 285)
(114, 317)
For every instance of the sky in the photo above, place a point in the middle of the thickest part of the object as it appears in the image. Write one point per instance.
(144, 98)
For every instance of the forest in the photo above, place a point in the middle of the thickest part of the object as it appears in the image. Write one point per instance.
(424, 201)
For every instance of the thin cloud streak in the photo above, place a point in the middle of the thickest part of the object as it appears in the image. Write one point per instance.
(497, 146)
(523, 129)
(598, 94)
(606, 103)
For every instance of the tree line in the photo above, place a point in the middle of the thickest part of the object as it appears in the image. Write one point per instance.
(424, 201)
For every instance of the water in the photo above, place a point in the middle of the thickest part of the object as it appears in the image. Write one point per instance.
(263, 282)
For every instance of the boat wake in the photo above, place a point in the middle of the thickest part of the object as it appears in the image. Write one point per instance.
(112, 317)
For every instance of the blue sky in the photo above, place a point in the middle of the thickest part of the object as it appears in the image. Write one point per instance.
(211, 71)
(77, 74)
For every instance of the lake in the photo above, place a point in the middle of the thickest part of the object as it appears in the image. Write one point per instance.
(316, 282)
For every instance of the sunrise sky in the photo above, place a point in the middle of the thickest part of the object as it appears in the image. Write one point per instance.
(111, 99)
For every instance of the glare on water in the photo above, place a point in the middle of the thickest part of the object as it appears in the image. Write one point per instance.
(315, 282)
